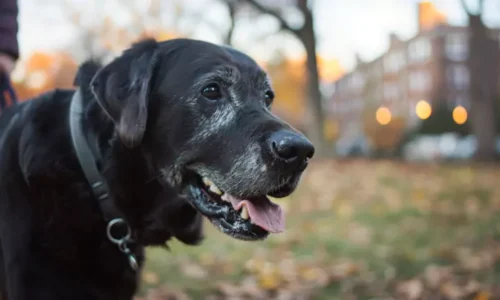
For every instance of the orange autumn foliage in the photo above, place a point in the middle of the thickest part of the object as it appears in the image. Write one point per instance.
(42, 72)
(429, 16)
(289, 78)
(289, 83)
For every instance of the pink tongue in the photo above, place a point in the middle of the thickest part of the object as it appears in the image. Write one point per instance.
(262, 212)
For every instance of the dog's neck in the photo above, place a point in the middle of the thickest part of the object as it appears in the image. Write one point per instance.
(154, 210)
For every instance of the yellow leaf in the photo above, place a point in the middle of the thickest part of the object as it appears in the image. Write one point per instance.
(344, 211)
(253, 265)
(310, 274)
(269, 281)
(482, 296)
(269, 277)
(150, 277)
(207, 259)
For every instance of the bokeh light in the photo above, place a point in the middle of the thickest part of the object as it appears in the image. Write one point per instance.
(460, 115)
(423, 110)
(383, 115)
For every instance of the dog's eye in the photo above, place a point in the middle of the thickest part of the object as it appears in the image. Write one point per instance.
(212, 92)
(269, 97)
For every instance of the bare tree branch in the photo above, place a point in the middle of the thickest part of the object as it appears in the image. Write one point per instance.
(284, 25)
(228, 38)
(471, 13)
(465, 7)
(481, 7)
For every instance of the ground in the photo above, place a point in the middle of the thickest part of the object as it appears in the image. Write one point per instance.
(355, 230)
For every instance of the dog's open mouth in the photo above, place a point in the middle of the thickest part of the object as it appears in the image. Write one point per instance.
(248, 218)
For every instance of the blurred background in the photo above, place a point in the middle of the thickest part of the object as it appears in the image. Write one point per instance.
(401, 99)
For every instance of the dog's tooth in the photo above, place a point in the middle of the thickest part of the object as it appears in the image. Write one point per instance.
(244, 213)
(207, 181)
(224, 198)
(215, 189)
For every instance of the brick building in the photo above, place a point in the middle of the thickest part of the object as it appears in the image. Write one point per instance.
(430, 66)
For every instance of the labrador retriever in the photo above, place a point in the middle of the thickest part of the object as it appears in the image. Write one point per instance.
(166, 133)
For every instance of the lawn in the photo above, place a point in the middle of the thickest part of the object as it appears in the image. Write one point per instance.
(355, 230)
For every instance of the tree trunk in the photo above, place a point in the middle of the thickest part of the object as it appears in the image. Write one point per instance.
(482, 65)
(315, 120)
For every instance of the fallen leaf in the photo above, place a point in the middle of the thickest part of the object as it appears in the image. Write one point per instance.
(344, 211)
(482, 296)
(254, 264)
(436, 275)
(411, 289)
(288, 268)
(472, 287)
(229, 290)
(249, 287)
(194, 271)
(269, 277)
(452, 291)
(207, 259)
(343, 270)
(150, 277)
(360, 235)
(166, 293)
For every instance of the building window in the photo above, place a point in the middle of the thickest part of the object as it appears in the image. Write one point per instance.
(419, 80)
(419, 50)
(339, 86)
(411, 109)
(337, 107)
(377, 70)
(394, 62)
(458, 76)
(353, 104)
(391, 92)
(357, 81)
(346, 106)
(457, 46)
(358, 104)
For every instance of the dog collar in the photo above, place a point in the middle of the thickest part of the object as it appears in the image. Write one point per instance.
(111, 214)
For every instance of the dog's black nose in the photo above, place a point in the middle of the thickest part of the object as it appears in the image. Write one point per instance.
(291, 146)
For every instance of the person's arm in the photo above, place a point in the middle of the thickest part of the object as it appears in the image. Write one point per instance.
(9, 46)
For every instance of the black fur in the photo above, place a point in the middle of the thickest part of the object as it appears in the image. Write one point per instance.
(52, 235)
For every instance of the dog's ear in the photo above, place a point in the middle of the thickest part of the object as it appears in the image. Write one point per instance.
(122, 89)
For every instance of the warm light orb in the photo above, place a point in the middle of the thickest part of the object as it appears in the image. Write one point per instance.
(423, 109)
(460, 115)
(383, 115)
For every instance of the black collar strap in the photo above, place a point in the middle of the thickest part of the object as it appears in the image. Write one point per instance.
(99, 187)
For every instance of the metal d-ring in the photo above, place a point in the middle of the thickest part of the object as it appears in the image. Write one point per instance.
(122, 240)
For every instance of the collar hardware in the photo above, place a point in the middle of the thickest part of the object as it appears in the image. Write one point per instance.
(111, 214)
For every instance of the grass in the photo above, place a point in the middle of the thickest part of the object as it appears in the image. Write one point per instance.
(355, 230)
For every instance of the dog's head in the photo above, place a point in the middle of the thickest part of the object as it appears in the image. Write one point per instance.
(203, 112)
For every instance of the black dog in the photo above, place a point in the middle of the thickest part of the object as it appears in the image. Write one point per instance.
(165, 133)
